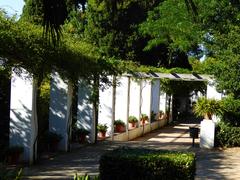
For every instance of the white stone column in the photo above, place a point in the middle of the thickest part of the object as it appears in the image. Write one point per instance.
(60, 109)
(105, 107)
(134, 104)
(122, 99)
(23, 117)
(85, 110)
(155, 96)
(162, 102)
(146, 97)
(207, 134)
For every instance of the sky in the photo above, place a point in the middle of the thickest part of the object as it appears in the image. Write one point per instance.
(12, 7)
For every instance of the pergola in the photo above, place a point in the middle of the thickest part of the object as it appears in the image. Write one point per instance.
(134, 94)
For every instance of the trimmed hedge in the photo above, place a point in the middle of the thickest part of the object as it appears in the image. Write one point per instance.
(143, 164)
(227, 135)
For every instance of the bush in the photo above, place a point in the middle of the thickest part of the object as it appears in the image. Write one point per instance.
(231, 110)
(207, 107)
(132, 164)
(227, 135)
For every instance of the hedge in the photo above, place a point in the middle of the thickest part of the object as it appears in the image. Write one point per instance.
(227, 135)
(143, 164)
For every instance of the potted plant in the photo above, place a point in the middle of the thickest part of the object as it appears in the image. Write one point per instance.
(14, 153)
(207, 107)
(132, 121)
(144, 119)
(161, 115)
(102, 129)
(52, 140)
(119, 125)
(81, 134)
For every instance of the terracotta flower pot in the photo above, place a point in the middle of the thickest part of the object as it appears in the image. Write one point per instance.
(120, 128)
(102, 134)
(132, 125)
(81, 138)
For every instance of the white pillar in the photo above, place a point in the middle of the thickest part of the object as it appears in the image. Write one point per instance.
(146, 97)
(163, 101)
(23, 118)
(155, 96)
(207, 134)
(122, 99)
(85, 110)
(60, 109)
(105, 107)
(134, 104)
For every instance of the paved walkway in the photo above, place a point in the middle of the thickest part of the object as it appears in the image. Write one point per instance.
(210, 164)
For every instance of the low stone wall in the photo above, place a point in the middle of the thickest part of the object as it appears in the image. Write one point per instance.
(139, 131)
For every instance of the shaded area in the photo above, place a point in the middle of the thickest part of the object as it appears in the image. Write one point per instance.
(218, 164)
(5, 86)
(211, 164)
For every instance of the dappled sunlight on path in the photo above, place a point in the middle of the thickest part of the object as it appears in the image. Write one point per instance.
(211, 164)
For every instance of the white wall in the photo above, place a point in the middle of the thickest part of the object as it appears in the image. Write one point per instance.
(162, 102)
(134, 98)
(155, 96)
(85, 110)
(121, 99)
(23, 120)
(59, 111)
(105, 107)
(146, 97)
(212, 92)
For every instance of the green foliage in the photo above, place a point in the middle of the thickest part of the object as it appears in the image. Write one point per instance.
(102, 127)
(7, 173)
(24, 45)
(231, 110)
(170, 23)
(182, 87)
(144, 116)
(146, 164)
(119, 122)
(227, 135)
(85, 177)
(132, 119)
(207, 107)
(33, 11)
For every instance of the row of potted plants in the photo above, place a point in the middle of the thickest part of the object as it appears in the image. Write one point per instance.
(120, 126)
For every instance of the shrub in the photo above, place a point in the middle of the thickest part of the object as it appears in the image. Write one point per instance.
(132, 119)
(7, 173)
(207, 107)
(231, 110)
(132, 164)
(227, 135)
